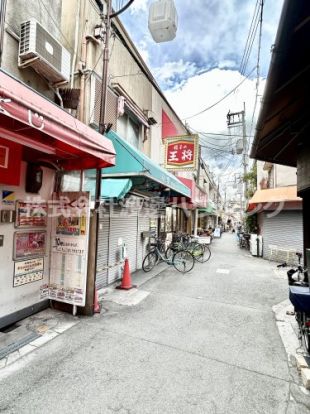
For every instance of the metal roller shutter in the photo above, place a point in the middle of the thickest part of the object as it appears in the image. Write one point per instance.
(103, 252)
(284, 230)
(123, 224)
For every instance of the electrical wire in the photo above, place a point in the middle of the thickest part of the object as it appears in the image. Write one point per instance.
(222, 99)
(250, 38)
(258, 63)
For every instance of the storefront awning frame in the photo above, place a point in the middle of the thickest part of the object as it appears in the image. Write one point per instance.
(28, 118)
(132, 163)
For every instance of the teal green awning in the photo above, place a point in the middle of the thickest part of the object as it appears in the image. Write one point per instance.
(115, 187)
(132, 163)
(110, 187)
(210, 209)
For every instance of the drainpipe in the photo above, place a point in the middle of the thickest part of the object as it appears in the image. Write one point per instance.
(83, 79)
(76, 42)
(2, 20)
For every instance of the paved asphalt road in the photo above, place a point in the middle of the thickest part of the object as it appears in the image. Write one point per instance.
(205, 342)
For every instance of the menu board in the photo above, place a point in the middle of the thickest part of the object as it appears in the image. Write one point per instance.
(29, 244)
(69, 247)
(31, 214)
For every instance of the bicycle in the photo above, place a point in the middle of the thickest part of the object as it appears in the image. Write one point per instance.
(183, 261)
(200, 251)
(244, 240)
(299, 294)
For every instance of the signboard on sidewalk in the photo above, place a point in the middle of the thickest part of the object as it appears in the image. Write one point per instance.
(69, 247)
(182, 152)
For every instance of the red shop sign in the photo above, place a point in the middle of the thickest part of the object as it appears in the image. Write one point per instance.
(181, 153)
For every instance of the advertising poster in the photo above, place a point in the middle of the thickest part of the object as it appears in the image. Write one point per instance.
(8, 198)
(29, 244)
(28, 271)
(69, 247)
(181, 153)
(31, 214)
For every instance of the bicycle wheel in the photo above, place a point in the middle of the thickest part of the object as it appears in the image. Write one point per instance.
(205, 255)
(183, 261)
(305, 333)
(169, 253)
(150, 260)
(197, 251)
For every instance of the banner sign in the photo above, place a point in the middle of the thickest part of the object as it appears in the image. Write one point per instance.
(182, 152)
(28, 271)
(69, 247)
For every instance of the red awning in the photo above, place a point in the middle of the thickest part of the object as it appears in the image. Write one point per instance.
(31, 120)
(198, 198)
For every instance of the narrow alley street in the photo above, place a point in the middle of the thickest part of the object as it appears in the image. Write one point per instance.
(203, 342)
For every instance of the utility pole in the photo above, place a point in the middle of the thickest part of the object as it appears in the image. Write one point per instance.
(106, 18)
(237, 119)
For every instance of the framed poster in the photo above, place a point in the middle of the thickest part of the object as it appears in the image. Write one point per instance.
(29, 244)
(28, 271)
(30, 214)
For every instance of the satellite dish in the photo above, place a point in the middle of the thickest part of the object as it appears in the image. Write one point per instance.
(163, 20)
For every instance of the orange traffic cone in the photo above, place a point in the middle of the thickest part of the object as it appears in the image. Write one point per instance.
(96, 302)
(126, 280)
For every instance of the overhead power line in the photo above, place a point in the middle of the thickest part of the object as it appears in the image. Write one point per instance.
(222, 99)
(258, 62)
(250, 38)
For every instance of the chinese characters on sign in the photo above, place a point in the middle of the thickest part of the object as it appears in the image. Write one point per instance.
(69, 248)
(181, 152)
(28, 271)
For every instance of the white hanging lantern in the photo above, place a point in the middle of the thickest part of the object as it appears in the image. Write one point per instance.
(163, 20)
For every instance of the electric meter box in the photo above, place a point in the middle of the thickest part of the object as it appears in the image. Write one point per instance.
(163, 20)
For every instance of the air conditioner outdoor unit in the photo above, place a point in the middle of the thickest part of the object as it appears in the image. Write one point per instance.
(40, 50)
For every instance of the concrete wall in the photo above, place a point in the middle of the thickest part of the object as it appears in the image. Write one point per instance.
(276, 175)
(284, 176)
(18, 11)
(16, 298)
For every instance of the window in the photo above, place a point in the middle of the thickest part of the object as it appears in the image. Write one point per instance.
(129, 129)
(71, 181)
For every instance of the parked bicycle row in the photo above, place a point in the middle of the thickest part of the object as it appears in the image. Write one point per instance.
(181, 252)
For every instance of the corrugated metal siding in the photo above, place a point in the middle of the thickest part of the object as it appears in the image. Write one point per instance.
(123, 226)
(284, 230)
(128, 224)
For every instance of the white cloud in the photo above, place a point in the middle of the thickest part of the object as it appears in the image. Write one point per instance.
(171, 73)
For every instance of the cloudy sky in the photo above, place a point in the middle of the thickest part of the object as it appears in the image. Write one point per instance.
(203, 63)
